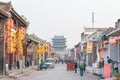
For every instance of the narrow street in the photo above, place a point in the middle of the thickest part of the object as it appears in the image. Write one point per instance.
(71, 31)
(58, 73)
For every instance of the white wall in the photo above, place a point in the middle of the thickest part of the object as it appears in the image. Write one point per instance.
(113, 52)
(105, 54)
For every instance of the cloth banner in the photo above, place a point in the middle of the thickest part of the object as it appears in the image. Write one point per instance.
(107, 70)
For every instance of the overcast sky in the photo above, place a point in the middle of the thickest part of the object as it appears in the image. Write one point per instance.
(66, 17)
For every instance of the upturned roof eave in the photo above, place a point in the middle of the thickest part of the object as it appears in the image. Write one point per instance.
(19, 17)
(6, 14)
(113, 33)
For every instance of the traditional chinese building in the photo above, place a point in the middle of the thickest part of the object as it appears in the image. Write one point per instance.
(12, 31)
(3, 18)
(59, 45)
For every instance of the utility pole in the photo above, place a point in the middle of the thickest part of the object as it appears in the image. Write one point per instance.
(92, 19)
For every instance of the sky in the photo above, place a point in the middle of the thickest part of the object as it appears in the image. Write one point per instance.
(66, 17)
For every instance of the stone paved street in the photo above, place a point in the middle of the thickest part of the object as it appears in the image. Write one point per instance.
(58, 73)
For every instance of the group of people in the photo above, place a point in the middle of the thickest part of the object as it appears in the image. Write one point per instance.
(114, 65)
(81, 66)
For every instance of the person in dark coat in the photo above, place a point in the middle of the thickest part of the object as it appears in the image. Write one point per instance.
(109, 60)
(75, 66)
(84, 64)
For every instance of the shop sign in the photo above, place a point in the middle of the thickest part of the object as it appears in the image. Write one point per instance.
(89, 47)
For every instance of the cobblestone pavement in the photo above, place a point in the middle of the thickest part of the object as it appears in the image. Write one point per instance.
(58, 73)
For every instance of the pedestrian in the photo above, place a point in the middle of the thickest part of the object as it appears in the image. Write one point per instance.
(84, 65)
(41, 63)
(28, 61)
(116, 67)
(81, 66)
(102, 63)
(75, 66)
(102, 66)
(109, 60)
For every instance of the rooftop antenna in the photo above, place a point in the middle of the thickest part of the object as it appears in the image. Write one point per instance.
(92, 19)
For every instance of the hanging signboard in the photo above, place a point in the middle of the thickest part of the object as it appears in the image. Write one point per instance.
(89, 47)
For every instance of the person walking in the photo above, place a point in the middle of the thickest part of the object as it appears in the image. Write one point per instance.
(84, 64)
(81, 66)
(41, 63)
(116, 67)
(102, 66)
(110, 61)
(75, 66)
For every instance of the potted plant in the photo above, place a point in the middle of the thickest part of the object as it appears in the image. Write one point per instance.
(116, 76)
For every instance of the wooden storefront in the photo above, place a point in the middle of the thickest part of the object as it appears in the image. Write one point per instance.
(8, 13)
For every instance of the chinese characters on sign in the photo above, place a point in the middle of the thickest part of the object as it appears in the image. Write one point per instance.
(89, 47)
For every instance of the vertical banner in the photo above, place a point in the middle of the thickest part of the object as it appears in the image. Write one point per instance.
(100, 54)
(89, 47)
(107, 70)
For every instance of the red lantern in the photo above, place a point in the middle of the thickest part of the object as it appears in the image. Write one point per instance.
(116, 38)
(84, 46)
(113, 42)
(100, 50)
(10, 23)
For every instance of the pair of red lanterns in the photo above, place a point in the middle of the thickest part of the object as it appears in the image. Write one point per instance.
(113, 41)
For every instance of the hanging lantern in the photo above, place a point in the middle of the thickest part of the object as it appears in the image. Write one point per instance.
(113, 41)
(100, 53)
(8, 40)
(19, 42)
(19, 50)
(8, 50)
(14, 45)
(14, 41)
(116, 38)
(39, 51)
(106, 42)
(19, 46)
(10, 23)
(13, 32)
(84, 46)
(13, 50)
(8, 28)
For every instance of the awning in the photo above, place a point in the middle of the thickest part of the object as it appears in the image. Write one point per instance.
(114, 33)
(104, 35)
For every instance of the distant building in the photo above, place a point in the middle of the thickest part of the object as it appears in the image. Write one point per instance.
(59, 46)
(59, 43)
